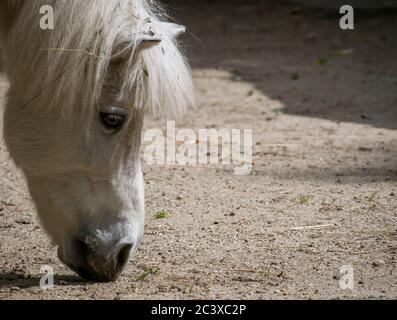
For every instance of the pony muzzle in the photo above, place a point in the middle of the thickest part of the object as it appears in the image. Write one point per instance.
(97, 259)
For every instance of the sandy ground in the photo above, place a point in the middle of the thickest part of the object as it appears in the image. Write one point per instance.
(322, 104)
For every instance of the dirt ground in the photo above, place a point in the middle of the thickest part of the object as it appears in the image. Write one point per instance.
(322, 105)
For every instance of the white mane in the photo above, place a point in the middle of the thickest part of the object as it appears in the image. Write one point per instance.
(67, 67)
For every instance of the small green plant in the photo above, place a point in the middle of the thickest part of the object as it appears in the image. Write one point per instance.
(321, 61)
(303, 199)
(343, 52)
(161, 214)
(145, 273)
(250, 93)
(372, 197)
(277, 111)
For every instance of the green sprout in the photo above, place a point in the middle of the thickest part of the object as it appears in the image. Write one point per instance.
(161, 214)
(145, 273)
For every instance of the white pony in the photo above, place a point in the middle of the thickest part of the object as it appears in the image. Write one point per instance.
(74, 116)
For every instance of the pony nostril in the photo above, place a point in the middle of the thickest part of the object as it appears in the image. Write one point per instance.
(79, 262)
(123, 255)
(81, 248)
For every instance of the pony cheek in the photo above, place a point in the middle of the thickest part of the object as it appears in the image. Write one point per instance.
(56, 221)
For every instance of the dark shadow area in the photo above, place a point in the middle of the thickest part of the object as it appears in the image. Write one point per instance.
(1, 63)
(339, 176)
(300, 56)
(10, 280)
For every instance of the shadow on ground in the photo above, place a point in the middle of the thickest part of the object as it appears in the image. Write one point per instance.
(300, 57)
(15, 280)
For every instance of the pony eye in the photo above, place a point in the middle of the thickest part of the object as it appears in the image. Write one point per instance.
(112, 121)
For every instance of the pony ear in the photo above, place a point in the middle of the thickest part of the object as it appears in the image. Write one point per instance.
(146, 38)
(172, 30)
(124, 46)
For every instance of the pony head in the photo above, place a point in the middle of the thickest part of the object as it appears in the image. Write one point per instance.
(77, 99)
